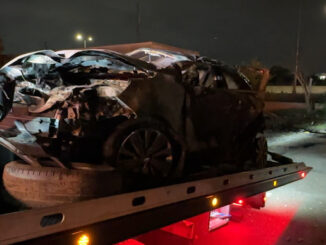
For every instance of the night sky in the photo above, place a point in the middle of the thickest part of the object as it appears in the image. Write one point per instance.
(235, 31)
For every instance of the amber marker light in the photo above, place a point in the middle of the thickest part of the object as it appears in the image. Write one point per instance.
(83, 240)
(275, 183)
(214, 201)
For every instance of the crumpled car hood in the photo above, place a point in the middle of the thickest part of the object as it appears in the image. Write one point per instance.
(44, 79)
(76, 90)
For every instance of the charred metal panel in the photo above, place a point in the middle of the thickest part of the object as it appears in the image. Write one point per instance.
(79, 101)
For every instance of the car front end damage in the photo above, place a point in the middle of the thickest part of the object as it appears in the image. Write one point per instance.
(74, 101)
(67, 101)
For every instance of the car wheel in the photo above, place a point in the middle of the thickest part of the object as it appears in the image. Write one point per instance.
(260, 151)
(50, 186)
(144, 147)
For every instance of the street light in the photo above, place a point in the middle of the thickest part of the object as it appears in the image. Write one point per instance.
(80, 37)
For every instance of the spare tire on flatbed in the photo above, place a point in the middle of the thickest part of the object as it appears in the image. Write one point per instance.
(50, 186)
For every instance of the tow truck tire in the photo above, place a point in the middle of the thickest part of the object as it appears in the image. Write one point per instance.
(50, 186)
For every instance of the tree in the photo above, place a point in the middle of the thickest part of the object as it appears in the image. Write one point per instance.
(257, 74)
(306, 84)
(252, 72)
(280, 76)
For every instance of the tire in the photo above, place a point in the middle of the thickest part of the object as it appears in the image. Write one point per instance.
(260, 152)
(50, 186)
(144, 147)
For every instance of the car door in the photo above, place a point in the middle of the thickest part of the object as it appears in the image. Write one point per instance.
(248, 107)
(213, 112)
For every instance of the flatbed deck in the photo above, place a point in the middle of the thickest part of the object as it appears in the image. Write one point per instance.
(115, 218)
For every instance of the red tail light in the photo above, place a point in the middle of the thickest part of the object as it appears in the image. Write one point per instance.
(239, 202)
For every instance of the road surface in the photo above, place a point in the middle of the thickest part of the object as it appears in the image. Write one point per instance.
(295, 213)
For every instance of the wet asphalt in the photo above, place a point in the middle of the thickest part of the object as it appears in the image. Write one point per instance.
(294, 213)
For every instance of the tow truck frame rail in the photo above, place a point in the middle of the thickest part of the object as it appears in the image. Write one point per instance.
(115, 218)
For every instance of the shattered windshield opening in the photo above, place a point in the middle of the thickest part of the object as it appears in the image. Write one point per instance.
(99, 62)
(160, 58)
(44, 80)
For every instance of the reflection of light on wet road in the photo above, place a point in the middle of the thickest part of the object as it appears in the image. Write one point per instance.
(258, 226)
(289, 138)
(268, 194)
(294, 213)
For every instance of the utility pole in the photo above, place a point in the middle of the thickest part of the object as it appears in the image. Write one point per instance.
(80, 37)
(297, 54)
(138, 21)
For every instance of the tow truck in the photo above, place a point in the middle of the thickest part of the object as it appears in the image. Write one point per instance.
(174, 209)
(119, 217)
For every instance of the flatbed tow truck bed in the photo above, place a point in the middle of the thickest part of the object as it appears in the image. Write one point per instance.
(116, 218)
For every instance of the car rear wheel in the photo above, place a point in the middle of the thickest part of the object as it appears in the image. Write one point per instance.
(143, 147)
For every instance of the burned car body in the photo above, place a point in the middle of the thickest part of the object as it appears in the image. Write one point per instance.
(133, 112)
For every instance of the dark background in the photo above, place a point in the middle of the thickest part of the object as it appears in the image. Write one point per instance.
(236, 31)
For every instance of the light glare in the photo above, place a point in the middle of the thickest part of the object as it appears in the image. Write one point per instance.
(275, 183)
(83, 240)
(214, 202)
(322, 77)
(79, 36)
(239, 202)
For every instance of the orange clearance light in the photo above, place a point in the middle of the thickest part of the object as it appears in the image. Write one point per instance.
(303, 174)
(83, 240)
(265, 198)
(214, 201)
(275, 183)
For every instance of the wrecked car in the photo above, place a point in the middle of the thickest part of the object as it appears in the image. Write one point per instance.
(151, 112)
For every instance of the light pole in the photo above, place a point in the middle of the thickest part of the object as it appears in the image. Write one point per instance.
(80, 37)
(297, 53)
